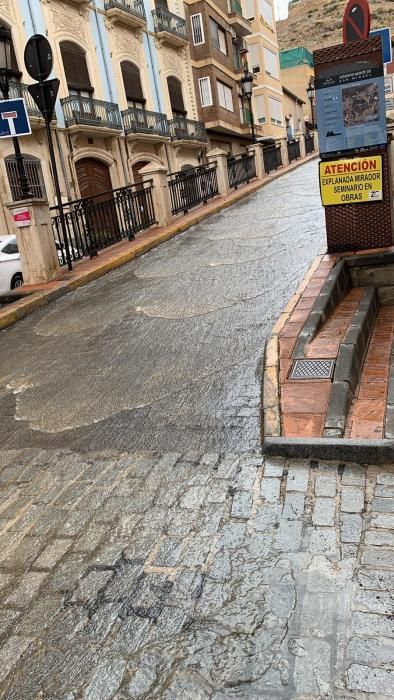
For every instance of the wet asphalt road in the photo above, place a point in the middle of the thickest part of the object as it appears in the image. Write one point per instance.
(165, 353)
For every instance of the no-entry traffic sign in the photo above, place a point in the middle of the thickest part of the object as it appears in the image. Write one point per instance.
(356, 21)
(13, 118)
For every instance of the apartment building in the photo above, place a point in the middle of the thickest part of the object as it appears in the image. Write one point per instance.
(126, 97)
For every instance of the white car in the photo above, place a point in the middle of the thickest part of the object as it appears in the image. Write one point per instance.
(10, 264)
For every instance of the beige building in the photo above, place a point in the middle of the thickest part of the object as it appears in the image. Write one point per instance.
(296, 67)
(126, 96)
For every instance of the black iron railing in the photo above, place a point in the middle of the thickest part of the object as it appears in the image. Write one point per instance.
(272, 156)
(91, 112)
(241, 169)
(94, 223)
(139, 121)
(293, 150)
(309, 144)
(165, 21)
(20, 90)
(187, 129)
(133, 7)
(189, 188)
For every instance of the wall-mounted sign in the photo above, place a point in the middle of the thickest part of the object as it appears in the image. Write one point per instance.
(385, 35)
(21, 217)
(13, 118)
(350, 105)
(351, 180)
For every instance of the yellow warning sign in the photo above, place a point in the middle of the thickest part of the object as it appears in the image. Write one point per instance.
(352, 180)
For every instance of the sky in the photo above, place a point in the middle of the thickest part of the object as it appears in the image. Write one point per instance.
(281, 8)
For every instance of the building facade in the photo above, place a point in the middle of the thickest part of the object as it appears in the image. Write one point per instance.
(296, 67)
(126, 96)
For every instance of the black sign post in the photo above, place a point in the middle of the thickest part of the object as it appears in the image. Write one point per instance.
(39, 63)
(356, 21)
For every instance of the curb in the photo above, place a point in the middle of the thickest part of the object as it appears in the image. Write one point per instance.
(36, 300)
(341, 450)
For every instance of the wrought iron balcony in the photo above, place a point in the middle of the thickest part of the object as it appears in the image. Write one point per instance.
(240, 24)
(20, 90)
(131, 12)
(86, 111)
(140, 121)
(171, 27)
(183, 129)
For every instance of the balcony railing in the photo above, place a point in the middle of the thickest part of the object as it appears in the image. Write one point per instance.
(133, 7)
(187, 129)
(235, 6)
(139, 121)
(165, 21)
(20, 90)
(90, 112)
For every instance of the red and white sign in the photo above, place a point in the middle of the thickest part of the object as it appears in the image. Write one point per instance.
(21, 217)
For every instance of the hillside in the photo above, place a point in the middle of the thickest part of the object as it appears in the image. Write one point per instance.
(314, 24)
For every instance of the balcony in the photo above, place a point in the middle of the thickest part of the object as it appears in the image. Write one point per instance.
(20, 90)
(86, 114)
(183, 129)
(170, 28)
(128, 12)
(238, 22)
(152, 124)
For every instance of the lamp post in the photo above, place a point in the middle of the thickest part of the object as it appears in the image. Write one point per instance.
(310, 91)
(247, 89)
(5, 75)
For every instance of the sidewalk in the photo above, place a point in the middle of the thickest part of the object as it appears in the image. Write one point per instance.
(121, 253)
(339, 322)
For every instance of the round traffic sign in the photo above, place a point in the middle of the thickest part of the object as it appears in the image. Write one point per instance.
(356, 21)
(38, 57)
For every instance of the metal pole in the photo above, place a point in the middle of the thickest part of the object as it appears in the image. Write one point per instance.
(20, 163)
(252, 119)
(58, 193)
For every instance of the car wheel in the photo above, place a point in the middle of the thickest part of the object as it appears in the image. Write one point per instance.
(17, 280)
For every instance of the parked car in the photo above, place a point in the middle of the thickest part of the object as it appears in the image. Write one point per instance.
(10, 264)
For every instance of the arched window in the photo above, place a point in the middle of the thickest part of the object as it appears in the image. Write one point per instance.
(34, 175)
(76, 69)
(132, 85)
(176, 96)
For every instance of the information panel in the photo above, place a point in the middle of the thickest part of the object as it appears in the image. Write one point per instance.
(352, 180)
(350, 105)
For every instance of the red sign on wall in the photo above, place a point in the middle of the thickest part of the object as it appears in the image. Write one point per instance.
(356, 21)
(21, 217)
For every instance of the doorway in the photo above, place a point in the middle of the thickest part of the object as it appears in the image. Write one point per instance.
(94, 181)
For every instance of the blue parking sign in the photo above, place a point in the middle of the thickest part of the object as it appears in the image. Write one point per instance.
(13, 118)
(385, 35)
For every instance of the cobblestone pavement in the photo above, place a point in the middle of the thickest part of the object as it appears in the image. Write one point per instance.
(166, 350)
(194, 576)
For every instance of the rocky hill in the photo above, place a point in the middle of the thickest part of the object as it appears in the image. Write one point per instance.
(315, 24)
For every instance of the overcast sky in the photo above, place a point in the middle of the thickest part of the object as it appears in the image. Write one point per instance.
(281, 8)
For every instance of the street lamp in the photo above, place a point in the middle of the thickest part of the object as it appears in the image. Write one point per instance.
(5, 75)
(310, 91)
(247, 90)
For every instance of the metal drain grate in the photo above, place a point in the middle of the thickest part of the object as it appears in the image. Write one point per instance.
(312, 369)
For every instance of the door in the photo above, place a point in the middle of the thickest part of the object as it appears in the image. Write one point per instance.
(143, 212)
(94, 182)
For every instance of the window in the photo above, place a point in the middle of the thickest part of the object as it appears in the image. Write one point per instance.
(205, 92)
(34, 175)
(225, 96)
(271, 63)
(260, 108)
(249, 9)
(176, 96)
(266, 11)
(132, 85)
(197, 29)
(75, 68)
(254, 57)
(218, 36)
(275, 110)
(11, 248)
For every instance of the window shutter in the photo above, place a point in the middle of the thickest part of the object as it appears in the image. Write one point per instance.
(75, 66)
(222, 41)
(205, 91)
(267, 12)
(271, 63)
(197, 29)
(275, 110)
(176, 97)
(260, 108)
(132, 82)
(225, 96)
(249, 9)
(254, 54)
